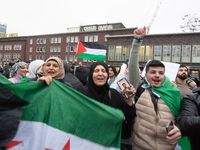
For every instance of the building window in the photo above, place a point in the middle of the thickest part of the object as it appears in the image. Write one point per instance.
(40, 49)
(166, 52)
(149, 53)
(55, 49)
(30, 57)
(30, 49)
(67, 39)
(59, 40)
(118, 53)
(195, 53)
(186, 51)
(106, 38)
(37, 49)
(125, 53)
(1, 47)
(8, 47)
(71, 49)
(52, 40)
(76, 39)
(44, 49)
(91, 39)
(67, 48)
(38, 41)
(70, 58)
(31, 41)
(44, 41)
(58, 56)
(84, 60)
(86, 39)
(41, 41)
(141, 54)
(51, 49)
(55, 40)
(59, 49)
(17, 47)
(176, 51)
(111, 52)
(1, 55)
(157, 52)
(72, 39)
(96, 38)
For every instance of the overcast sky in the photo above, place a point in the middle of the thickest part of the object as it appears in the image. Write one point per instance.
(36, 17)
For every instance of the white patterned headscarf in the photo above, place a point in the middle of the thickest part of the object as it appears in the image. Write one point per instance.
(16, 66)
(34, 65)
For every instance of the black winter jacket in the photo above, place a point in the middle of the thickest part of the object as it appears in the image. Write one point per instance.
(189, 118)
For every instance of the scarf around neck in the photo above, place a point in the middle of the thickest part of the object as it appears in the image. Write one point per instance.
(169, 93)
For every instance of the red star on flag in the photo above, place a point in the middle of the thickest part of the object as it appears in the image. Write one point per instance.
(13, 144)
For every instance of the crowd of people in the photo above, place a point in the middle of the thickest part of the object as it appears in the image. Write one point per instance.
(155, 100)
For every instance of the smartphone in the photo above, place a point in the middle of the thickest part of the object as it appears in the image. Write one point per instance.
(169, 126)
(125, 86)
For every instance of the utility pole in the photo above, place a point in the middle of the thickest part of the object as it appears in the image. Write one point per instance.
(68, 41)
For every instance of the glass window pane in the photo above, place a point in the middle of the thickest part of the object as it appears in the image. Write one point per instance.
(157, 52)
(196, 53)
(111, 52)
(186, 50)
(149, 52)
(125, 54)
(141, 54)
(118, 53)
(176, 50)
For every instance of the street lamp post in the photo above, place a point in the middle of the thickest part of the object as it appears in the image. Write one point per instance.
(68, 51)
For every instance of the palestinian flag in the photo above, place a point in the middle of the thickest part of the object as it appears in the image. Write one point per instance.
(60, 118)
(92, 51)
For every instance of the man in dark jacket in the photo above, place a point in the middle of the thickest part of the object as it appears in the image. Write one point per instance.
(189, 118)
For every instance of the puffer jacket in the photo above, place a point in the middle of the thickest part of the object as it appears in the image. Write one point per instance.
(149, 129)
(189, 118)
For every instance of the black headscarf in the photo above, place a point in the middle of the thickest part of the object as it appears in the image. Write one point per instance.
(95, 92)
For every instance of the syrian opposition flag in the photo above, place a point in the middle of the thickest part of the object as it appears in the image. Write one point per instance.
(60, 118)
(92, 51)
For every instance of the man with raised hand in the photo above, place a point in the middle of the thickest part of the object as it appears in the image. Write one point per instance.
(157, 101)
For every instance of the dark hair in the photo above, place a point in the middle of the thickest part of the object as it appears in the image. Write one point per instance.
(114, 70)
(183, 66)
(154, 63)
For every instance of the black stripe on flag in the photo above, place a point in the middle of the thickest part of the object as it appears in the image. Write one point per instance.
(94, 45)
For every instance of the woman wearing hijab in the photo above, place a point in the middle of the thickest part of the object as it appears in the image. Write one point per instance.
(34, 67)
(52, 69)
(99, 90)
(18, 71)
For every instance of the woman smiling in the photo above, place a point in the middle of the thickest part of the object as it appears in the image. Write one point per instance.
(18, 71)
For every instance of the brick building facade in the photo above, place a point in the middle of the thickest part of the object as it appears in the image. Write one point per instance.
(30, 48)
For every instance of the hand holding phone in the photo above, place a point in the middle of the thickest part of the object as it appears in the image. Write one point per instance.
(125, 87)
(169, 126)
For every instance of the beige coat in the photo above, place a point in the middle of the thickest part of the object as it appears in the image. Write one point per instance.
(149, 129)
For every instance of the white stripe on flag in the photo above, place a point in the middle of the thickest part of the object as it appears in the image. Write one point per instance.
(95, 51)
(38, 136)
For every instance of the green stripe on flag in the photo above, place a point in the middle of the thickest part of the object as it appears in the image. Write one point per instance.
(68, 110)
(91, 56)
